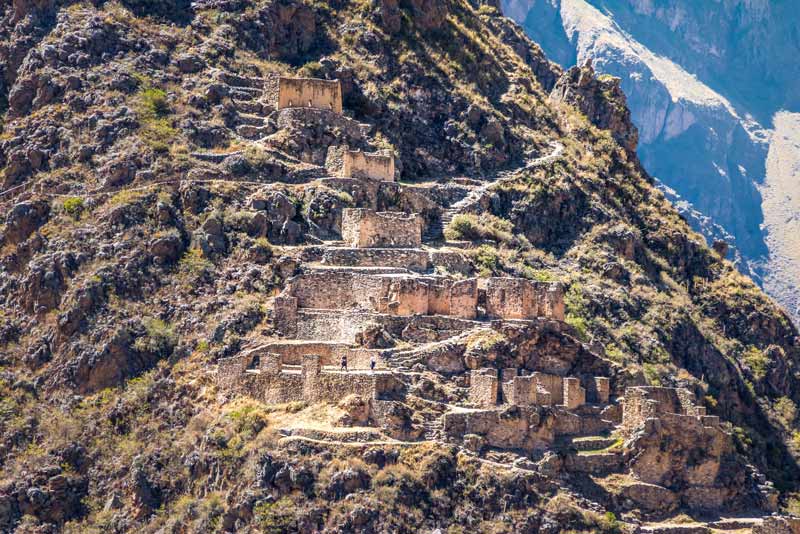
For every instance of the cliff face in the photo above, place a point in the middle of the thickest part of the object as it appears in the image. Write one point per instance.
(156, 203)
(703, 85)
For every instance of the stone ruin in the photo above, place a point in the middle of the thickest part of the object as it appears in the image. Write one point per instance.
(518, 298)
(357, 164)
(406, 294)
(310, 93)
(643, 403)
(381, 280)
(365, 228)
(265, 377)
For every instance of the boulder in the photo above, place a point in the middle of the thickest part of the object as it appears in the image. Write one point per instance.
(24, 219)
(166, 249)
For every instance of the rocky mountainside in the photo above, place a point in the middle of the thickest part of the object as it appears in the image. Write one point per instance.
(705, 86)
(179, 276)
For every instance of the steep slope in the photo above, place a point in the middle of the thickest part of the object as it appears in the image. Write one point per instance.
(156, 202)
(703, 85)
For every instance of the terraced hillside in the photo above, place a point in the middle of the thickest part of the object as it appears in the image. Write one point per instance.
(185, 259)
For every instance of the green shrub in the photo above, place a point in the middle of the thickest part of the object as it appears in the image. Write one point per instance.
(160, 337)
(194, 264)
(470, 227)
(74, 207)
(276, 517)
(757, 361)
(487, 260)
(154, 101)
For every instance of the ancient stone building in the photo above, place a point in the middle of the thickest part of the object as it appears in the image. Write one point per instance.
(651, 402)
(365, 228)
(264, 377)
(310, 93)
(357, 164)
(393, 294)
(518, 298)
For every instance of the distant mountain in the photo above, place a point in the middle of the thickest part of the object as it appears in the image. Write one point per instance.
(712, 87)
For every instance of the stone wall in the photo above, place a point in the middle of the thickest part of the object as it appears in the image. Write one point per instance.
(552, 384)
(364, 228)
(310, 93)
(530, 429)
(357, 164)
(344, 325)
(394, 294)
(265, 378)
(483, 388)
(284, 312)
(406, 258)
(778, 525)
(518, 298)
(646, 402)
(574, 393)
(330, 353)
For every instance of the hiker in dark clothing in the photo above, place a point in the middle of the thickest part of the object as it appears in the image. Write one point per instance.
(372, 364)
(344, 363)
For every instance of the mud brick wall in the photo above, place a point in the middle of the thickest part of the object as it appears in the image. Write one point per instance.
(574, 393)
(518, 298)
(365, 228)
(483, 387)
(553, 384)
(411, 259)
(356, 164)
(310, 92)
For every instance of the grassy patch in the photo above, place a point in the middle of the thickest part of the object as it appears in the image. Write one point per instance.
(470, 227)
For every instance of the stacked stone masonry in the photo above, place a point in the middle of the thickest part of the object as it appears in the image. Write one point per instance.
(356, 164)
(643, 403)
(517, 298)
(537, 389)
(365, 228)
(395, 294)
(269, 380)
(310, 93)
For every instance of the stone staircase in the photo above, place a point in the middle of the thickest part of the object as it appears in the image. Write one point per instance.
(433, 429)
(435, 231)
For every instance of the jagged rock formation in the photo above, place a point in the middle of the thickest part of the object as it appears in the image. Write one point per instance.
(704, 87)
(183, 201)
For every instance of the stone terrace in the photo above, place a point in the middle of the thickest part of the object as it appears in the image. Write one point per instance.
(384, 295)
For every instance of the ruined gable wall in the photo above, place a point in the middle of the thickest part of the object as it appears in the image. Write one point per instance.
(364, 228)
(364, 165)
(310, 92)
